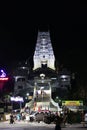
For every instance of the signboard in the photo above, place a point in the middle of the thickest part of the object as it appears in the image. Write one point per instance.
(16, 99)
(72, 103)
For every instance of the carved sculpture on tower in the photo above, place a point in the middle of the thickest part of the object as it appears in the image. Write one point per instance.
(44, 55)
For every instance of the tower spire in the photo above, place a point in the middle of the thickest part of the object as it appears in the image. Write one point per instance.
(43, 54)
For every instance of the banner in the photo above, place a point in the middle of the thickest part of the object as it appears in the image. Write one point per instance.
(72, 103)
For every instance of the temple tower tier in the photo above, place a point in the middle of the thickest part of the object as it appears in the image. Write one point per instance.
(44, 55)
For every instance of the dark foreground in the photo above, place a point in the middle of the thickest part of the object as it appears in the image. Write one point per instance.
(38, 126)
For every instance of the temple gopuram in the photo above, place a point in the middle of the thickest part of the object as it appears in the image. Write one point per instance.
(43, 83)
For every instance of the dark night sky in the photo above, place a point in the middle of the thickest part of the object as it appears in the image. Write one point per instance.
(66, 21)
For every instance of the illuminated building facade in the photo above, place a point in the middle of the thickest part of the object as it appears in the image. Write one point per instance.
(43, 63)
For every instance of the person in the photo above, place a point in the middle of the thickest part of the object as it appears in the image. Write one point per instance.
(37, 94)
(65, 119)
(58, 121)
(11, 119)
(85, 119)
(18, 116)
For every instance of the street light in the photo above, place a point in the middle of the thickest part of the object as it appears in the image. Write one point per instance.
(27, 94)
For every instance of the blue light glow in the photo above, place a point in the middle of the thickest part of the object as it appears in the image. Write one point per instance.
(2, 73)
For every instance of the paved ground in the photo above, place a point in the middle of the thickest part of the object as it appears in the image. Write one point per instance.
(37, 126)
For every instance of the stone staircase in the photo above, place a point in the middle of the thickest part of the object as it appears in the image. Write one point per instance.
(43, 101)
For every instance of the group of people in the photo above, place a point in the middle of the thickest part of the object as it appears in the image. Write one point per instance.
(15, 117)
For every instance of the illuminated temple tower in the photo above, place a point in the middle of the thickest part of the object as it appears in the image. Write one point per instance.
(43, 77)
(43, 69)
(43, 55)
